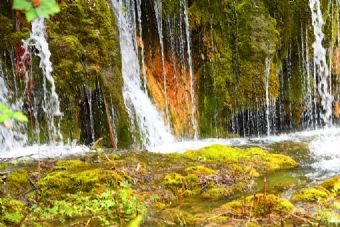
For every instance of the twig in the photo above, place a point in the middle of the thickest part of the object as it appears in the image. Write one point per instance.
(108, 118)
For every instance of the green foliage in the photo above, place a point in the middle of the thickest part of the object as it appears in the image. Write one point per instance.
(108, 208)
(11, 211)
(6, 114)
(44, 9)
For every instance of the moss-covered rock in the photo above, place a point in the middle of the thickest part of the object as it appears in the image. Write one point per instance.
(257, 204)
(199, 180)
(18, 182)
(71, 176)
(12, 211)
(265, 161)
(200, 170)
(327, 190)
(332, 185)
(315, 194)
(216, 192)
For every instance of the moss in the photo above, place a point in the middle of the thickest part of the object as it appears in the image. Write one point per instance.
(239, 169)
(264, 161)
(174, 181)
(200, 170)
(255, 205)
(12, 211)
(332, 185)
(315, 194)
(18, 182)
(71, 165)
(198, 181)
(69, 177)
(216, 193)
(328, 217)
(4, 166)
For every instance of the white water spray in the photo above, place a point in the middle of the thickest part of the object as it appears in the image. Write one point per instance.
(51, 105)
(321, 67)
(10, 138)
(267, 74)
(139, 106)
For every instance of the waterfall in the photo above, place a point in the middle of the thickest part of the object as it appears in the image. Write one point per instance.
(320, 62)
(51, 106)
(267, 74)
(10, 138)
(192, 86)
(139, 106)
(89, 101)
(159, 19)
(139, 13)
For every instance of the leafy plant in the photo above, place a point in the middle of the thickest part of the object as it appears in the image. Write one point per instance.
(36, 8)
(6, 114)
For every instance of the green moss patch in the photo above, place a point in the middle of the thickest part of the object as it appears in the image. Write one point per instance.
(256, 205)
(262, 160)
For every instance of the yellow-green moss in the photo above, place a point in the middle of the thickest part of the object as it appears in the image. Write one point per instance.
(311, 195)
(174, 181)
(71, 165)
(256, 203)
(11, 211)
(18, 183)
(196, 182)
(71, 176)
(216, 193)
(200, 170)
(263, 161)
(332, 185)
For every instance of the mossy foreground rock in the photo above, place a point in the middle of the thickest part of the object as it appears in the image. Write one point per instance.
(327, 190)
(236, 169)
(315, 194)
(72, 176)
(259, 205)
(89, 192)
(115, 189)
(262, 160)
(12, 211)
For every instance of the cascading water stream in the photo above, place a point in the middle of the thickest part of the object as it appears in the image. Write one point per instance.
(139, 14)
(51, 105)
(267, 74)
(89, 101)
(159, 19)
(192, 85)
(321, 66)
(139, 106)
(10, 138)
(13, 141)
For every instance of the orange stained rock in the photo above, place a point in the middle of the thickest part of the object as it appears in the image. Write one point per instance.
(178, 91)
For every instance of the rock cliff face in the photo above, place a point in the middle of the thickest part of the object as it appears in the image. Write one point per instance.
(203, 61)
